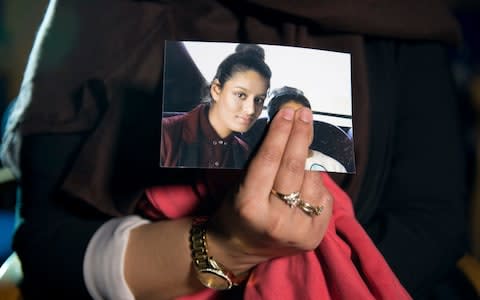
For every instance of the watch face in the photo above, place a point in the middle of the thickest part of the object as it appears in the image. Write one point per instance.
(214, 279)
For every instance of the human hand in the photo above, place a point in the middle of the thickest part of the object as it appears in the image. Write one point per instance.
(257, 225)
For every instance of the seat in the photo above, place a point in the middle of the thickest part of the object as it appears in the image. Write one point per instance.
(335, 142)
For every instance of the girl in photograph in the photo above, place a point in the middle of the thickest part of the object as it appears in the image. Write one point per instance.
(294, 98)
(207, 136)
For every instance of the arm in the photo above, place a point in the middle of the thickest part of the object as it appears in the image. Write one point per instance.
(57, 229)
(250, 227)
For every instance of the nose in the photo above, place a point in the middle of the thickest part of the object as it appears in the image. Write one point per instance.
(249, 106)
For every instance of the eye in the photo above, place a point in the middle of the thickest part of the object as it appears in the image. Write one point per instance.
(259, 100)
(241, 95)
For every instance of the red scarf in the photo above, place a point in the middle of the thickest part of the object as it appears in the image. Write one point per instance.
(345, 266)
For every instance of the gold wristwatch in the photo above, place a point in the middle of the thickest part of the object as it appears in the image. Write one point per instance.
(210, 273)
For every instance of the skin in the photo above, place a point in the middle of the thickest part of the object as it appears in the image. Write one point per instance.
(250, 227)
(296, 106)
(238, 103)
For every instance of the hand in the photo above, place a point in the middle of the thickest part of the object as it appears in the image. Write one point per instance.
(256, 225)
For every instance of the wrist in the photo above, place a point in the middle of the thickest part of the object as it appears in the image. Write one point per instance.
(213, 268)
(234, 250)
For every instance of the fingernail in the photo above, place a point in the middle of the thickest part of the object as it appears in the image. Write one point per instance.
(306, 115)
(288, 113)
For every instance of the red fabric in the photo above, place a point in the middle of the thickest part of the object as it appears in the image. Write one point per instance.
(345, 266)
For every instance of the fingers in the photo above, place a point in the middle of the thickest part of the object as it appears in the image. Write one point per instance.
(316, 194)
(280, 161)
(292, 167)
(271, 227)
(303, 226)
(264, 166)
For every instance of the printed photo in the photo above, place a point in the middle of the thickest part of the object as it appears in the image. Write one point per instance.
(219, 97)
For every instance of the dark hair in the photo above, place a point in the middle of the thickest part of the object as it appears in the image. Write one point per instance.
(282, 95)
(246, 57)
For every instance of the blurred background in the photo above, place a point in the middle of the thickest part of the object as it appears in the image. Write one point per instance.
(19, 20)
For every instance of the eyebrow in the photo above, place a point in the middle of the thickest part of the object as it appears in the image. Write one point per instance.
(247, 90)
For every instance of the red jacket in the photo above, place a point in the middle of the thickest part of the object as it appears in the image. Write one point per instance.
(188, 140)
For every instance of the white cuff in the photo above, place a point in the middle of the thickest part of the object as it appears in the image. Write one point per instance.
(103, 263)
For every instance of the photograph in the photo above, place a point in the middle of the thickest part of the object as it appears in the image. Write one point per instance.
(219, 97)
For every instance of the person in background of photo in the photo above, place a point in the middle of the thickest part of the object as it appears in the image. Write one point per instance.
(294, 98)
(205, 136)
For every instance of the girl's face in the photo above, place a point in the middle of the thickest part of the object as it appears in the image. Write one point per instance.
(237, 105)
(291, 104)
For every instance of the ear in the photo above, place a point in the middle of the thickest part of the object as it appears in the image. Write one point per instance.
(215, 90)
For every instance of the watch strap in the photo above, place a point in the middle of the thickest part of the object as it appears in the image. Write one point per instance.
(201, 260)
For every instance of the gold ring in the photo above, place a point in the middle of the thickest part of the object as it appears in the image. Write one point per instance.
(291, 199)
(309, 209)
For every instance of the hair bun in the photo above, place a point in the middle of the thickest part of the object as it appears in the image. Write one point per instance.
(251, 49)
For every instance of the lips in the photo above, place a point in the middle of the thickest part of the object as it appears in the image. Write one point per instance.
(245, 119)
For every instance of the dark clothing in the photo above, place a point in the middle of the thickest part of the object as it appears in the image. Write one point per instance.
(90, 133)
(189, 140)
